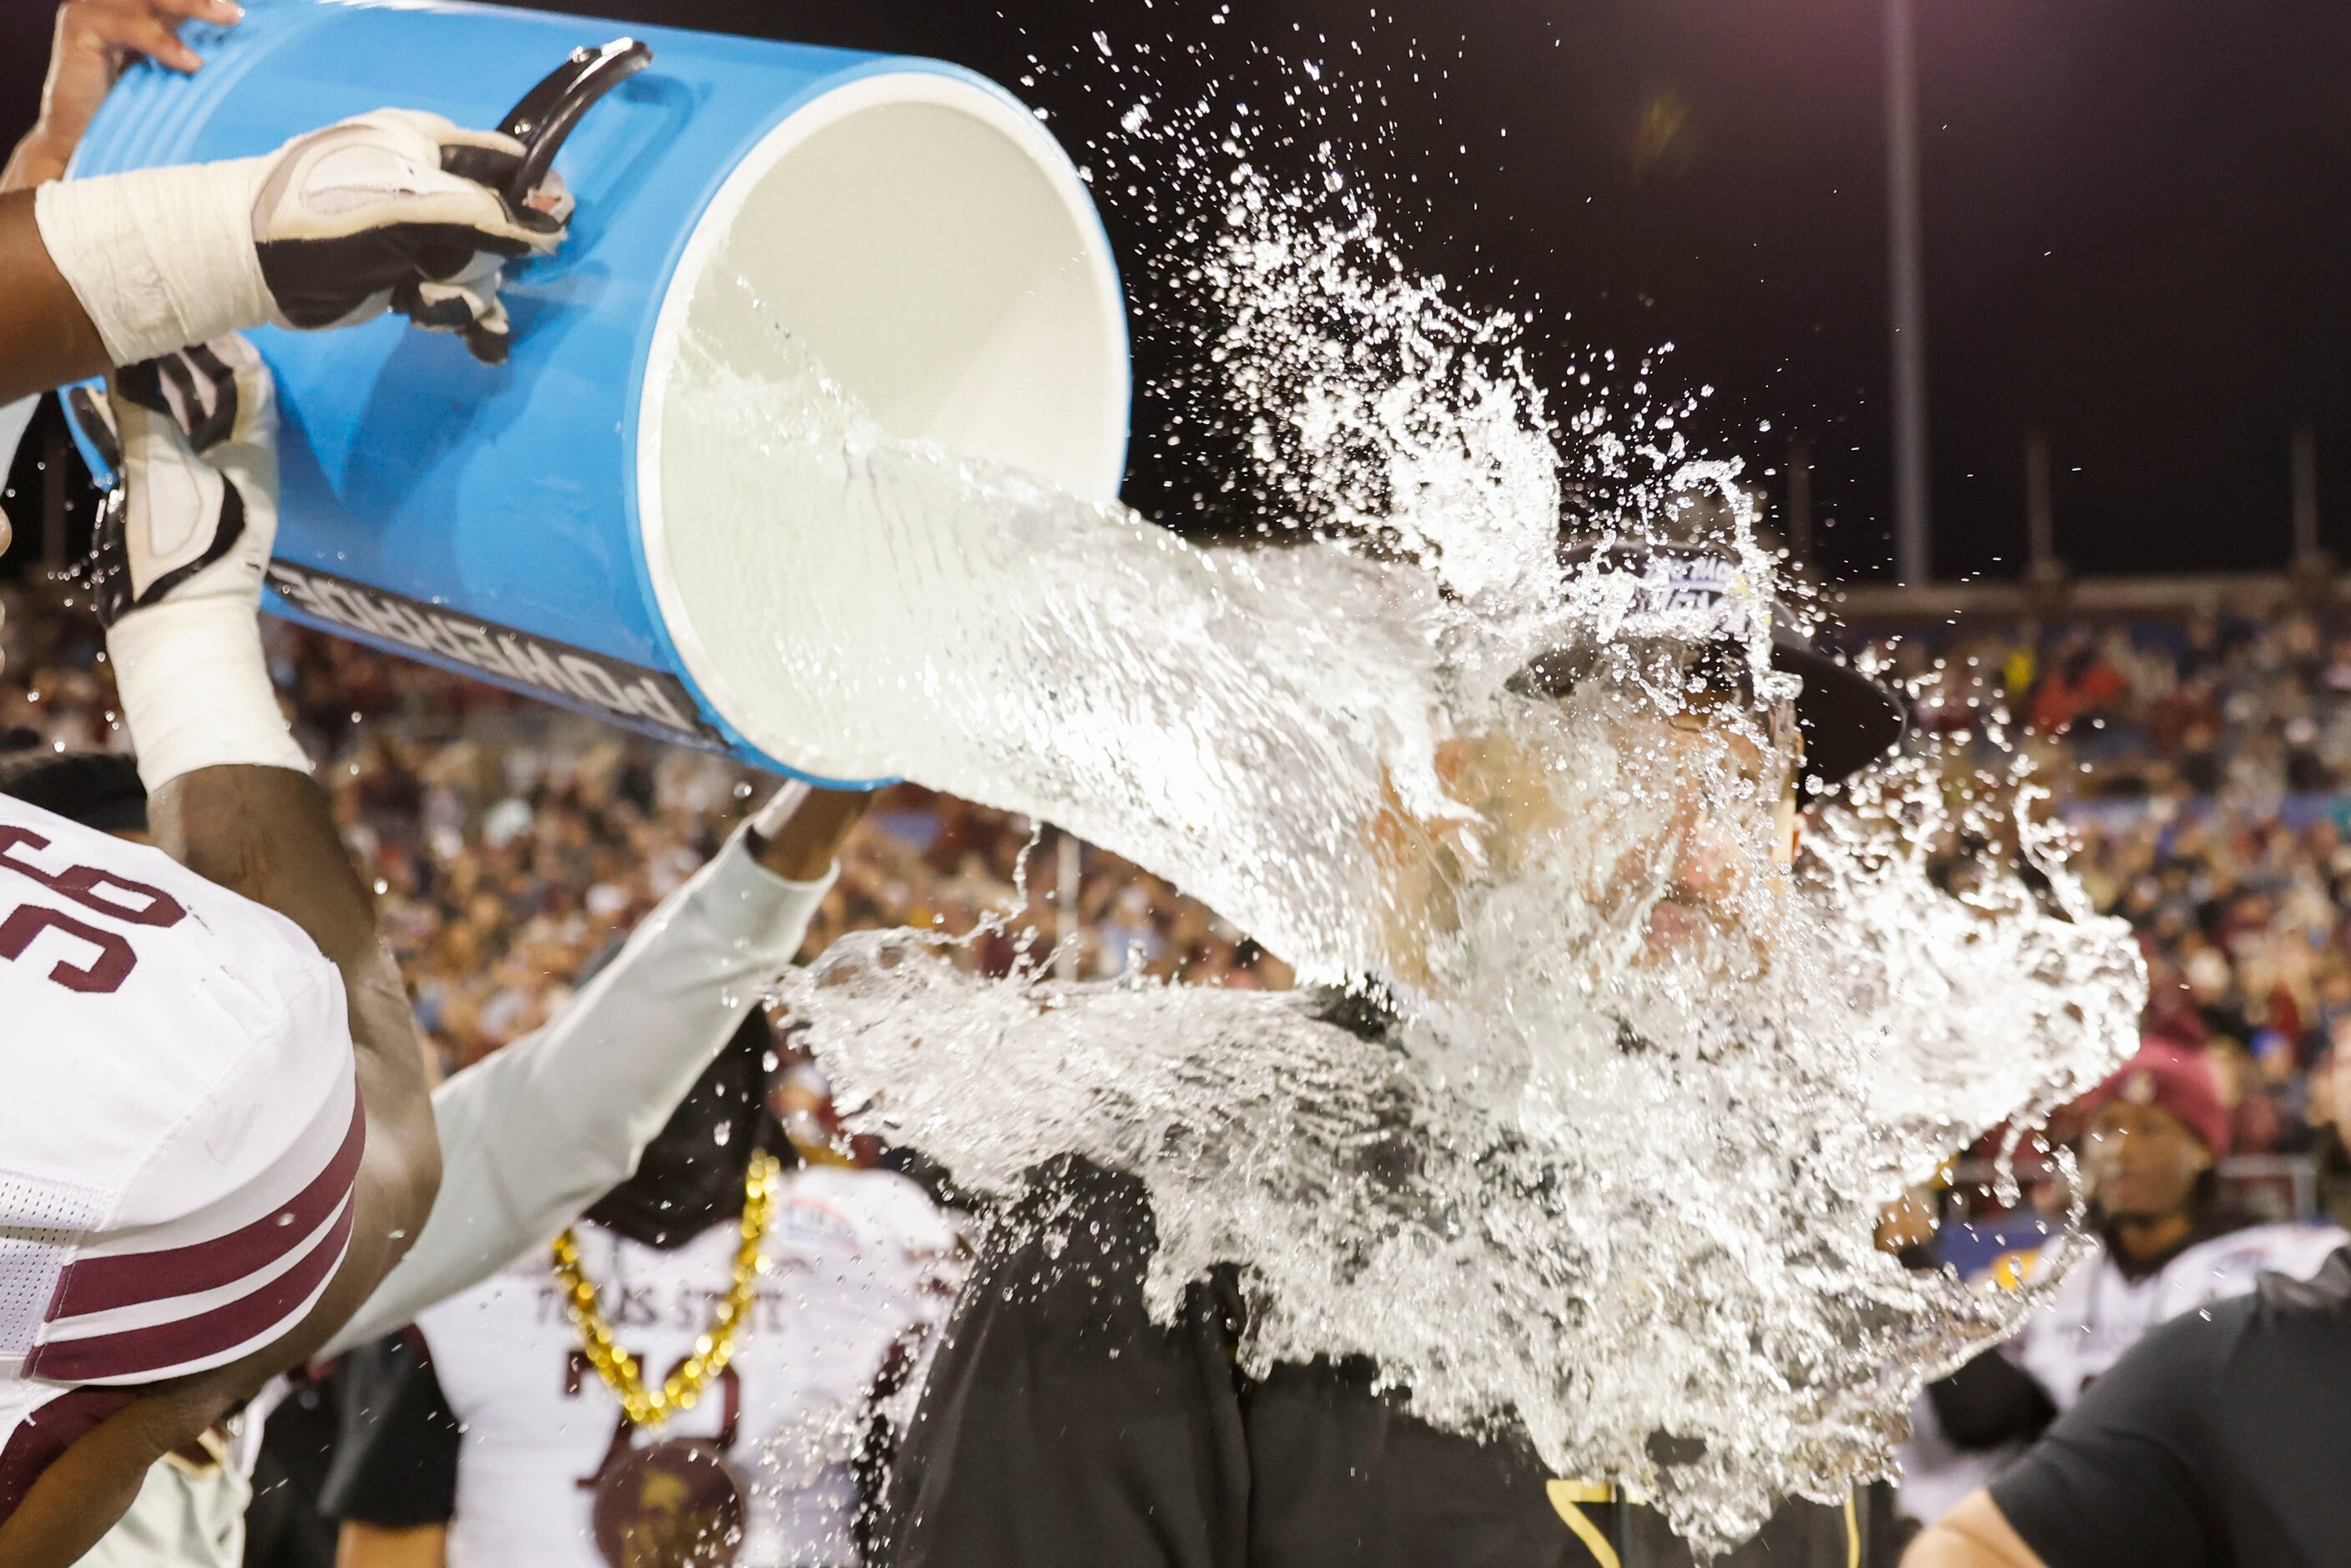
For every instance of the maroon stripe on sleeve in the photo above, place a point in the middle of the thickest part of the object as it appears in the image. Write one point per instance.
(168, 1347)
(42, 1437)
(101, 1284)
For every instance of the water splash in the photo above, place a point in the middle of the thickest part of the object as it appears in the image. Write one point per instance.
(1612, 1175)
(1649, 1216)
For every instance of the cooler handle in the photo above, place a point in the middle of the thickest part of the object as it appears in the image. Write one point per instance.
(548, 112)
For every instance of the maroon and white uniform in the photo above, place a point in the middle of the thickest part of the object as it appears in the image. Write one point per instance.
(180, 1134)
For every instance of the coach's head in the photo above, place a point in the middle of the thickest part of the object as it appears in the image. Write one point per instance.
(1722, 745)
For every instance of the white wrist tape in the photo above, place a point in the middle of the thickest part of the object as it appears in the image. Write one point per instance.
(196, 690)
(159, 259)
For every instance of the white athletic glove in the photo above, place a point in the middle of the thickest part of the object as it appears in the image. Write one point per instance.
(401, 210)
(176, 566)
(396, 210)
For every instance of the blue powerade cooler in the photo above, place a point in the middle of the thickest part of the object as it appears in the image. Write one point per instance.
(913, 224)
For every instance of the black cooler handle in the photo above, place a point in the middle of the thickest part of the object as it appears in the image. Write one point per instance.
(545, 117)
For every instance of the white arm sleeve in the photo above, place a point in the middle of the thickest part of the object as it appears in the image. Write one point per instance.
(534, 1134)
(15, 418)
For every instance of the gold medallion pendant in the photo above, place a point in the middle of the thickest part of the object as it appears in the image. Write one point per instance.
(677, 1503)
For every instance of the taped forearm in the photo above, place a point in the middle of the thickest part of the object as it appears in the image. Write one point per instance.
(159, 259)
(533, 1135)
(180, 560)
(197, 692)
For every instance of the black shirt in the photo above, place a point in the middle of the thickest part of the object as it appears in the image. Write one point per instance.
(2222, 1438)
(396, 1464)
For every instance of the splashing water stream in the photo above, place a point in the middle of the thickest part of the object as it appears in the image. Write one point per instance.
(1612, 1173)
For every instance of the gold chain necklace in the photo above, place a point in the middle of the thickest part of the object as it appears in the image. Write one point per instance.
(712, 1350)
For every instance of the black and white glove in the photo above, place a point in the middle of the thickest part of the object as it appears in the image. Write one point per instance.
(192, 438)
(401, 210)
(396, 210)
(179, 554)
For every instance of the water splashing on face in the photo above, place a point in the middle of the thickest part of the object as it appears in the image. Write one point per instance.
(1608, 1170)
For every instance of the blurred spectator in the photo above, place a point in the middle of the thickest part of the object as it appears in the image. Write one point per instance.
(2165, 1239)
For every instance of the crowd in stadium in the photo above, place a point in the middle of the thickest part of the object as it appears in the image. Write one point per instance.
(2199, 762)
(2196, 759)
(509, 844)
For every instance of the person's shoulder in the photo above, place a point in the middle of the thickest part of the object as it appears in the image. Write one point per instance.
(2321, 1298)
(132, 886)
(2267, 1347)
(2280, 1312)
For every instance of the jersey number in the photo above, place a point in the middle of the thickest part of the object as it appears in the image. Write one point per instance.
(110, 958)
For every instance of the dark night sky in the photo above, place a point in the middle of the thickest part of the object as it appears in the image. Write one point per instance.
(2138, 222)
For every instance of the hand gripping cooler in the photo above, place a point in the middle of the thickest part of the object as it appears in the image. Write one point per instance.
(914, 224)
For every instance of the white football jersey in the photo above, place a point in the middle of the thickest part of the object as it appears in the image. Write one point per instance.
(2098, 1314)
(861, 1266)
(182, 1135)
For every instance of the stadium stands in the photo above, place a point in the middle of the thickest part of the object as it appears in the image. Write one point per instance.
(2203, 759)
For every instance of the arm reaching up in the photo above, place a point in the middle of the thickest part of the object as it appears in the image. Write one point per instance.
(534, 1134)
(392, 211)
(178, 582)
(95, 39)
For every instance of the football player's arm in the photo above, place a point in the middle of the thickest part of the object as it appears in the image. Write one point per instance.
(119, 269)
(394, 1483)
(46, 337)
(532, 1135)
(1973, 1535)
(366, 1546)
(268, 832)
(230, 794)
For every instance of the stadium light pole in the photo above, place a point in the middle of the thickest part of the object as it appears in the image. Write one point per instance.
(2309, 555)
(1913, 534)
